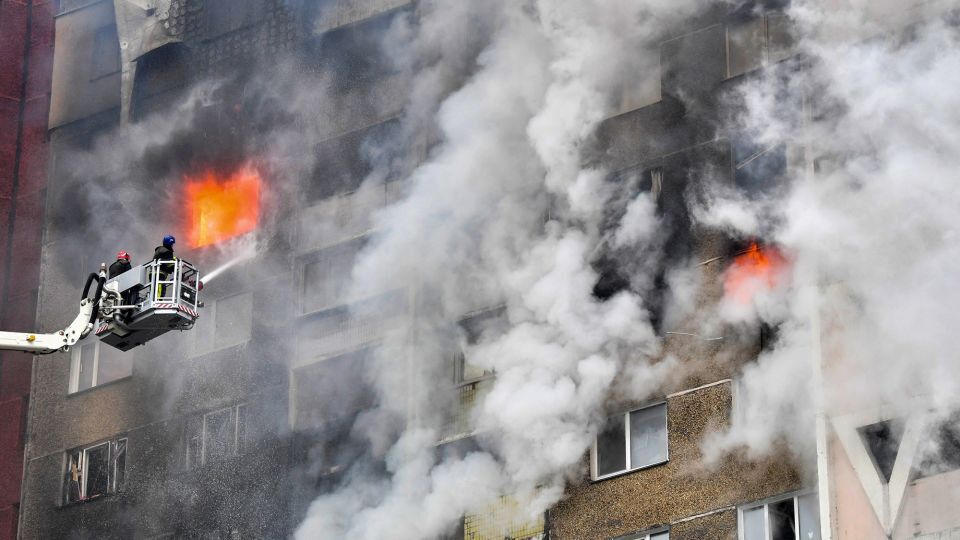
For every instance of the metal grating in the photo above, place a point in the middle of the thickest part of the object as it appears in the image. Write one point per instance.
(502, 520)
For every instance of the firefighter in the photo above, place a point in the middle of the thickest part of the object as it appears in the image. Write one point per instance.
(164, 252)
(121, 265)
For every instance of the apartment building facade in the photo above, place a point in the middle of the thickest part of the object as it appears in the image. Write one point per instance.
(230, 430)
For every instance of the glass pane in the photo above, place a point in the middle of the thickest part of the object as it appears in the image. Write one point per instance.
(119, 464)
(85, 365)
(753, 525)
(98, 467)
(665, 535)
(783, 521)
(72, 488)
(809, 517)
(219, 435)
(114, 364)
(648, 436)
(193, 436)
(612, 447)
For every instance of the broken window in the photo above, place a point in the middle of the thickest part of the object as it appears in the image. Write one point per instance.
(94, 364)
(631, 441)
(883, 444)
(327, 277)
(757, 41)
(95, 471)
(783, 518)
(216, 436)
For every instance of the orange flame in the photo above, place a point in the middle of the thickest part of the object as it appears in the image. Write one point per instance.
(220, 208)
(752, 271)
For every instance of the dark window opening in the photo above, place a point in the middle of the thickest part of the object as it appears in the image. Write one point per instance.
(783, 520)
(883, 443)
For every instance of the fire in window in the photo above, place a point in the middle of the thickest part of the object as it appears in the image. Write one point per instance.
(216, 436)
(95, 471)
(221, 206)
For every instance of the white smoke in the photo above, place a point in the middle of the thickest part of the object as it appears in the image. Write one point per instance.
(870, 225)
(506, 213)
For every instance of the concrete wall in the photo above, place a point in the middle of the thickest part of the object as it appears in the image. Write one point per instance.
(668, 494)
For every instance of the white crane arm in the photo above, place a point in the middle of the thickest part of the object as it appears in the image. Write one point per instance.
(48, 343)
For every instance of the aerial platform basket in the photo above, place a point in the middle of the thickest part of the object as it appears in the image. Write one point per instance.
(148, 301)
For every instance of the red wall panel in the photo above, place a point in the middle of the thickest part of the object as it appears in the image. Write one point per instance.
(13, 33)
(12, 418)
(25, 74)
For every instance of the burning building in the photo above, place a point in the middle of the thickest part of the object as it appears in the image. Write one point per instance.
(518, 270)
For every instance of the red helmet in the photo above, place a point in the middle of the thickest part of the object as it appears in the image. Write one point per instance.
(123, 255)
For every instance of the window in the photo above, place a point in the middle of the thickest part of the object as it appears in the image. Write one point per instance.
(94, 364)
(228, 322)
(756, 42)
(95, 471)
(216, 436)
(784, 518)
(631, 441)
(327, 277)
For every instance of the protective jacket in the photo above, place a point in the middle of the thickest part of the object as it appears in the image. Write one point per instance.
(119, 267)
(163, 253)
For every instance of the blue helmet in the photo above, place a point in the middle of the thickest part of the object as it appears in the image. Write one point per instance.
(169, 240)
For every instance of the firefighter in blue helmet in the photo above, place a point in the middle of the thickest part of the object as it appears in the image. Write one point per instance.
(164, 252)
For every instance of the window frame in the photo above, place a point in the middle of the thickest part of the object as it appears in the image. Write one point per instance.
(765, 503)
(650, 534)
(626, 448)
(112, 469)
(236, 448)
(333, 251)
(73, 385)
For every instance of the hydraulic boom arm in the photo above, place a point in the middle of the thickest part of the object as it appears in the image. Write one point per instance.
(69, 336)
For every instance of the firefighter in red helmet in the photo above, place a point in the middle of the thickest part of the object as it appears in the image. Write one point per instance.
(121, 265)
